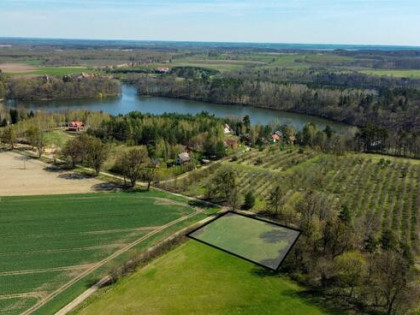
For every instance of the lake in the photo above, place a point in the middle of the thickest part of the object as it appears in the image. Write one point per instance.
(129, 101)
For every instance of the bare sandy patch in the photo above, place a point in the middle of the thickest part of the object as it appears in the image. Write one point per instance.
(20, 176)
(16, 67)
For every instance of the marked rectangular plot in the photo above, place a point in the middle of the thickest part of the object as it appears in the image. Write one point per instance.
(259, 241)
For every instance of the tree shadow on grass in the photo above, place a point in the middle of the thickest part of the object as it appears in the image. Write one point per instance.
(326, 302)
(264, 272)
(53, 169)
(200, 204)
(107, 187)
(132, 190)
(75, 176)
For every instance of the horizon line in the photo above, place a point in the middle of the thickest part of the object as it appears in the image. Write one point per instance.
(212, 42)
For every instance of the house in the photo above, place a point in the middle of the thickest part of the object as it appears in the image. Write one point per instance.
(183, 158)
(162, 70)
(275, 137)
(227, 129)
(76, 126)
(279, 133)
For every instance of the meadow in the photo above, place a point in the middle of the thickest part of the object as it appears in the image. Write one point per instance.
(258, 241)
(197, 279)
(52, 241)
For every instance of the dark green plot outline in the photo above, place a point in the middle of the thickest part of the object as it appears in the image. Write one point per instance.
(190, 235)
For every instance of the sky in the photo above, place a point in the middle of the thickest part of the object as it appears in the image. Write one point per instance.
(371, 22)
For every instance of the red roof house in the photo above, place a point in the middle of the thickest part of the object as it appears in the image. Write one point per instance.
(76, 126)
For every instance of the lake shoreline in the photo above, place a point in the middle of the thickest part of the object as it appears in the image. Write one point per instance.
(252, 106)
(129, 100)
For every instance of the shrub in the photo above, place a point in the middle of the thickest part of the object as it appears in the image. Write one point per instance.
(249, 201)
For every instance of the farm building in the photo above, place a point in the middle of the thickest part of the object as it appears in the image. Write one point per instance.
(227, 129)
(76, 126)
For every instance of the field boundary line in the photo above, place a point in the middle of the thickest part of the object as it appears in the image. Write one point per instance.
(31, 271)
(22, 295)
(103, 262)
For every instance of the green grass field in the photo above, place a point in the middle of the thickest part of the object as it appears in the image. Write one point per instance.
(197, 279)
(49, 240)
(57, 71)
(258, 241)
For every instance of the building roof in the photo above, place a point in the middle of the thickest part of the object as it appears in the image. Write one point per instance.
(275, 137)
(184, 157)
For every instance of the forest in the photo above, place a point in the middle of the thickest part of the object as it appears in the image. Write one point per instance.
(55, 88)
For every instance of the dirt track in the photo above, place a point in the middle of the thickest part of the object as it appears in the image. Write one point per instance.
(20, 176)
(16, 67)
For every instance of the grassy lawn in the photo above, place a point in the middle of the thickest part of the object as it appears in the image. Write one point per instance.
(48, 240)
(57, 138)
(197, 279)
(261, 242)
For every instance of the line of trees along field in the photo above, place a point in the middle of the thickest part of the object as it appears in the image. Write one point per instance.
(55, 88)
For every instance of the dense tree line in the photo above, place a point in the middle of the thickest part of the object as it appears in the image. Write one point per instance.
(50, 88)
(389, 108)
(163, 135)
(377, 59)
(324, 77)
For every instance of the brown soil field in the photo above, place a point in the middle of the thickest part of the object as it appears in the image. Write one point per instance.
(16, 67)
(20, 175)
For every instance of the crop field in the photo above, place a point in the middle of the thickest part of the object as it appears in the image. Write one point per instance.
(382, 192)
(197, 279)
(393, 73)
(258, 241)
(50, 243)
(26, 69)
